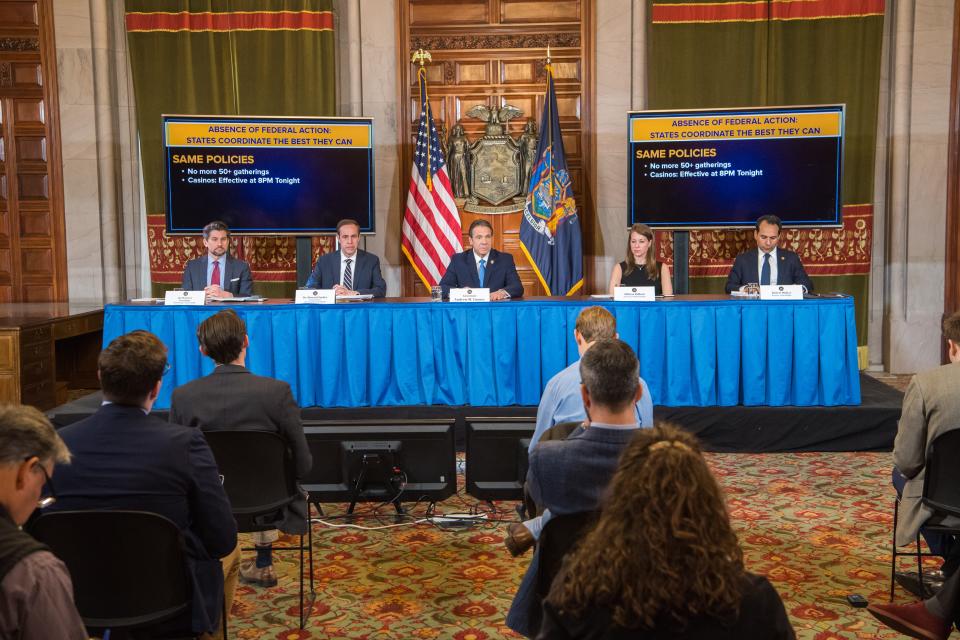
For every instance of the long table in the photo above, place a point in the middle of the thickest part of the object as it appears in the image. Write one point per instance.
(695, 350)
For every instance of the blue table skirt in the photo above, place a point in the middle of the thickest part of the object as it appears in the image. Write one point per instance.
(692, 353)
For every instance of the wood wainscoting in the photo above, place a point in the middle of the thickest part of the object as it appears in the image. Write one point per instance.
(492, 52)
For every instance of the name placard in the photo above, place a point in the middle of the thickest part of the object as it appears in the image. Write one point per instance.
(315, 296)
(635, 294)
(781, 292)
(470, 295)
(192, 298)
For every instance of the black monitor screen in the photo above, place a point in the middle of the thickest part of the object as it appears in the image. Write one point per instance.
(268, 175)
(422, 450)
(497, 457)
(728, 167)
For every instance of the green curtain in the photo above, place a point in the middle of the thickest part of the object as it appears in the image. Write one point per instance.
(226, 57)
(790, 52)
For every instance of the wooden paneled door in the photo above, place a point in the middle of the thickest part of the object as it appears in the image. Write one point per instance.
(492, 52)
(32, 242)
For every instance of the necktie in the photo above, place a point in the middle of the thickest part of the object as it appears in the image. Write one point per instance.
(348, 274)
(765, 271)
(482, 271)
(215, 276)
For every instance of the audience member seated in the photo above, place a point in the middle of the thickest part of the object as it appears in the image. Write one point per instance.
(124, 458)
(562, 403)
(663, 560)
(640, 268)
(570, 476)
(931, 407)
(36, 595)
(232, 398)
(932, 619)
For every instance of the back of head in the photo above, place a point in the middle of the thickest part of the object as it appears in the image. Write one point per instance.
(951, 327)
(596, 323)
(611, 373)
(663, 551)
(131, 366)
(221, 336)
(25, 432)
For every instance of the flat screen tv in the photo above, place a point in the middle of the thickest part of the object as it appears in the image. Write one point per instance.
(381, 461)
(727, 167)
(497, 457)
(268, 175)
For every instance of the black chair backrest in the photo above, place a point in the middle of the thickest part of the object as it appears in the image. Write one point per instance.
(941, 482)
(257, 470)
(128, 568)
(559, 537)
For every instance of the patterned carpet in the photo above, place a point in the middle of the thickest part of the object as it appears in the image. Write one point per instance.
(817, 524)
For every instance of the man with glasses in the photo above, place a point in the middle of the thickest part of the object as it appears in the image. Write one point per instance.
(36, 596)
(124, 458)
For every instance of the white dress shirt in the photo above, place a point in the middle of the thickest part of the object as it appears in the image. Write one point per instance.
(773, 265)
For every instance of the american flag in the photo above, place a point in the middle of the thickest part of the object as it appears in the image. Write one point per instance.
(431, 222)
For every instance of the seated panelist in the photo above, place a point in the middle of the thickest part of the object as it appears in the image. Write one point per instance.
(349, 270)
(640, 268)
(483, 266)
(768, 264)
(218, 274)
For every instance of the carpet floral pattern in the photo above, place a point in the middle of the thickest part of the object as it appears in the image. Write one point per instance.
(816, 524)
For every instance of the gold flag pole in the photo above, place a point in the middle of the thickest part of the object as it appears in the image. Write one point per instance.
(421, 57)
(549, 69)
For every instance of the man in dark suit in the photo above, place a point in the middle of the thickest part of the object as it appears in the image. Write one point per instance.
(124, 458)
(570, 476)
(768, 264)
(232, 398)
(219, 274)
(483, 266)
(348, 271)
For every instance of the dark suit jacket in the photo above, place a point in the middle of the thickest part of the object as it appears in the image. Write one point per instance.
(236, 276)
(789, 270)
(366, 273)
(565, 476)
(232, 398)
(501, 273)
(123, 459)
(762, 617)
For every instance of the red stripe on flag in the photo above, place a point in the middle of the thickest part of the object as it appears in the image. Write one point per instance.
(231, 21)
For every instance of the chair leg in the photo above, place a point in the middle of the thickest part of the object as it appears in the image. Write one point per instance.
(310, 555)
(302, 616)
(223, 614)
(923, 589)
(893, 547)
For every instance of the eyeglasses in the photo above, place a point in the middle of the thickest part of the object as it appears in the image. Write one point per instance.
(166, 369)
(48, 500)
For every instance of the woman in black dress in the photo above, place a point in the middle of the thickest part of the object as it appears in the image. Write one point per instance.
(640, 268)
(662, 561)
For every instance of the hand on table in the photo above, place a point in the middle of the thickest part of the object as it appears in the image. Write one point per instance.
(499, 295)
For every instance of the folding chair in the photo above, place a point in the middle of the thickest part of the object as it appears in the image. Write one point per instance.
(260, 480)
(110, 554)
(941, 492)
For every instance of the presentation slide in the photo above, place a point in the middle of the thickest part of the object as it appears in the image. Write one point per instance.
(726, 168)
(268, 175)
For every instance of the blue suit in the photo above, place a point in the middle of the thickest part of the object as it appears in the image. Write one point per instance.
(124, 459)
(366, 273)
(501, 273)
(236, 276)
(566, 476)
(789, 270)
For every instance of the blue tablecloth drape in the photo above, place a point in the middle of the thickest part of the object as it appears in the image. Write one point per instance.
(692, 353)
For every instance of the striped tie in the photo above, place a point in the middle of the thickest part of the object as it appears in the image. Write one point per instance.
(348, 275)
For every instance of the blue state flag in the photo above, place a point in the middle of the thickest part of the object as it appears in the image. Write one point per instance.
(550, 228)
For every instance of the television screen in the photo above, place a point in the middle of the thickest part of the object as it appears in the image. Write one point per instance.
(728, 167)
(406, 460)
(268, 174)
(497, 457)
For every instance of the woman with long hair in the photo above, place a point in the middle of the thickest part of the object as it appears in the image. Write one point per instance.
(662, 560)
(640, 267)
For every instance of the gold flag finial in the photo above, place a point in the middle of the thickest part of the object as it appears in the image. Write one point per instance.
(548, 54)
(420, 57)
